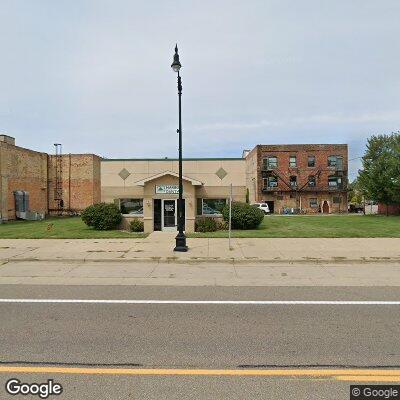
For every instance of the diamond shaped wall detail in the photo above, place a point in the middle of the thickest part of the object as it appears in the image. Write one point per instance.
(124, 173)
(221, 173)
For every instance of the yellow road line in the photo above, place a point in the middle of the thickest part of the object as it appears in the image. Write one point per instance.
(368, 378)
(343, 374)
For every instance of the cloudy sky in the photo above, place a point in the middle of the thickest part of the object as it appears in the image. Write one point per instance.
(96, 77)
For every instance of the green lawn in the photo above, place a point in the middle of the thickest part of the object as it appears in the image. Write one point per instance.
(58, 228)
(352, 226)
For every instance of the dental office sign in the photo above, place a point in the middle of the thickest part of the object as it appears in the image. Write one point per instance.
(167, 189)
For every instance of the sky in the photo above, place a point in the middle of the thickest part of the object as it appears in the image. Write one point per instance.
(96, 77)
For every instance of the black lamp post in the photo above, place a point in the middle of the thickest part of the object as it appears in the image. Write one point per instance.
(180, 237)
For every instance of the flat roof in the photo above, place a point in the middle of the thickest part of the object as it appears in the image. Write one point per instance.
(173, 159)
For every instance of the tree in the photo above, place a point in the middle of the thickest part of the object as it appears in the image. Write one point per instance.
(354, 193)
(379, 178)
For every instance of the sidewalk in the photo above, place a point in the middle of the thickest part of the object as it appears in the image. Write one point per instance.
(158, 247)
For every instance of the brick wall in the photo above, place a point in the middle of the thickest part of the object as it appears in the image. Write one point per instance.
(80, 180)
(22, 169)
(34, 172)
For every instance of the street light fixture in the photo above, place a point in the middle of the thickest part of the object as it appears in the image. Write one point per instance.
(180, 239)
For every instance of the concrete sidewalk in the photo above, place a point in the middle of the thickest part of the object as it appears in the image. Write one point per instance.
(158, 247)
(159, 274)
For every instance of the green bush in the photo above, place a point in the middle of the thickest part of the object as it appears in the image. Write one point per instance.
(244, 216)
(206, 224)
(137, 225)
(102, 216)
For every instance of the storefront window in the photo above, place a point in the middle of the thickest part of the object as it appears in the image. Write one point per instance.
(212, 206)
(131, 206)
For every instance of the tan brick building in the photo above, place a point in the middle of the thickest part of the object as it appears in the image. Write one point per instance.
(148, 189)
(307, 178)
(34, 173)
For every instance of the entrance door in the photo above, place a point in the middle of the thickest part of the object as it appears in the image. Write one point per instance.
(169, 215)
(270, 206)
(325, 207)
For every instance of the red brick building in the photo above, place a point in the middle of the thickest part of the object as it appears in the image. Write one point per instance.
(304, 178)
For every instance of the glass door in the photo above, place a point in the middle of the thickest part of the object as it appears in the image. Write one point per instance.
(169, 214)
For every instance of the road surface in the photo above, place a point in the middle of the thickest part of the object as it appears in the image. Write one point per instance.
(121, 340)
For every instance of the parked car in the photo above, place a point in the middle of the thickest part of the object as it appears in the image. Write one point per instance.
(262, 206)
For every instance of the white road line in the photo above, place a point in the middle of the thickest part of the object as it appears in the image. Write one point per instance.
(217, 302)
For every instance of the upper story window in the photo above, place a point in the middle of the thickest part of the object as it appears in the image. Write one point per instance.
(311, 161)
(335, 161)
(271, 182)
(292, 161)
(293, 181)
(312, 181)
(271, 162)
(334, 181)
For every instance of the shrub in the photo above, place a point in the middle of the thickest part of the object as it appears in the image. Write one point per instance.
(137, 225)
(102, 216)
(244, 216)
(206, 224)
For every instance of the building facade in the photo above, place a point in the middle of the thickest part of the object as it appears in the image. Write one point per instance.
(39, 174)
(304, 178)
(290, 178)
(148, 189)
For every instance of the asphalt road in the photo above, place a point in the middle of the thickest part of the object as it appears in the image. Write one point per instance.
(197, 336)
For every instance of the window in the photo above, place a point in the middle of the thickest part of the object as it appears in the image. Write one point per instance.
(313, 203)
(311, 161)
(271, 162)
(293, 181)
(339, 163)
(271, 182)
(332, 161)
(337, 199)
(334, 181)
(292, 161)
(131, 206)
(210, 206)
(312, 181)
(335, 161)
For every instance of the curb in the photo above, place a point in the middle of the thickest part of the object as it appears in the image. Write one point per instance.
(207, 260)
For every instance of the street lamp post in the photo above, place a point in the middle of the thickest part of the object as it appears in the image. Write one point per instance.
(180, 239)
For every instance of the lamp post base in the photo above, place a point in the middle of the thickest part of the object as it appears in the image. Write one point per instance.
(180, 242)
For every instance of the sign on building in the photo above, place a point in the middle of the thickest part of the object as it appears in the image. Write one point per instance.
(167, 189)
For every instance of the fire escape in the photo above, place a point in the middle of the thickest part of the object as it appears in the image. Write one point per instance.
(293, 187)
(58, 192)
